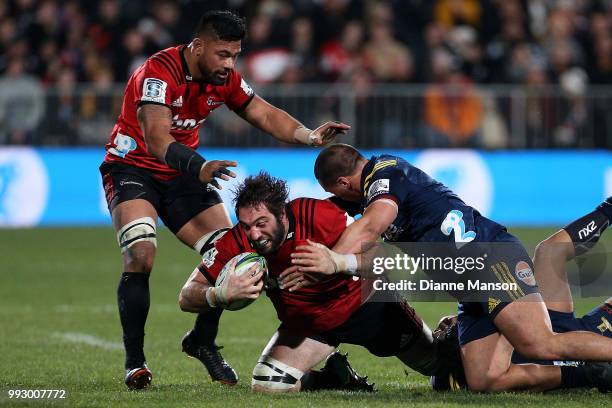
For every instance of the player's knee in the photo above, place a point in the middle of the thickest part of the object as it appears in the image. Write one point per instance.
(557, 246)
(138, 240)
(139, 258)
(273, 376)
(541, 348)
(481, 383)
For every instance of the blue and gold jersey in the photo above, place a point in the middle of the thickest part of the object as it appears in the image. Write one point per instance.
(428, 210)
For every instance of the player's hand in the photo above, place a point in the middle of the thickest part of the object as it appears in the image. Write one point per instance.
(246, 286)
(327, 132)
(314, 258)
(445, 322)
(214, 169)
(293, 279)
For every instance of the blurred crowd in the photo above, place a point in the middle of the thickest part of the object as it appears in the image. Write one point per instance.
(60, 44)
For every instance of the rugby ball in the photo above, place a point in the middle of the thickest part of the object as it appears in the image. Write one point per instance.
(243, 262)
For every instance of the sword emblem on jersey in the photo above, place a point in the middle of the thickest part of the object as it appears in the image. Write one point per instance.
(454, 223)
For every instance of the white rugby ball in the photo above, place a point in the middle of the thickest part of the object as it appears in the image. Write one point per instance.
(244, 262)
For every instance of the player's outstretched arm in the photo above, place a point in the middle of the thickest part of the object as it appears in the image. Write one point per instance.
(357, 238)
(284, 127)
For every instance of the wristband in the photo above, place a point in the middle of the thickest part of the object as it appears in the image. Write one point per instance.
(351, 264)
(346, 264)
(304, 135)
(184, 159)
(209, 297)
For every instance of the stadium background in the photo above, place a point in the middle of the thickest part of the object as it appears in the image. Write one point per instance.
(507, 102)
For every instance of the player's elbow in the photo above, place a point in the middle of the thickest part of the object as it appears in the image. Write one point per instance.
(557, 246)
(185, 302)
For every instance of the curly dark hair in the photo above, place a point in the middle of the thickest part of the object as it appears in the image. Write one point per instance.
(223, 25)
(262, 189)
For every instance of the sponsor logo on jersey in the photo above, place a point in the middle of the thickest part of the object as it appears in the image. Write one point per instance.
(123, 145)
(212, 102)
(454, 223)
(178, 103)
(246, 87)
(154, 90)
(524, 273)
(208, 259)
(493, 303)
(587, 230)
(185, 124)
(380, 186)
(605, 325)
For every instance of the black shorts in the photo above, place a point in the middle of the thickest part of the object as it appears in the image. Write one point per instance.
(176, 201)
(508, 262)
(384, 328)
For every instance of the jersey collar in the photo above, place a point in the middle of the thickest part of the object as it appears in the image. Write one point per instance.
(188, 76)
(291, 219)
(364, 173)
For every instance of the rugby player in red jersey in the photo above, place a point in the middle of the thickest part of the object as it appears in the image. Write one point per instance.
(314, 319)
(151, 169)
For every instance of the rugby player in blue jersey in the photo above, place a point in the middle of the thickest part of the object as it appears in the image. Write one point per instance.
(403, 204)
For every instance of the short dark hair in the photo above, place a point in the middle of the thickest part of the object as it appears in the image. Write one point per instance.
(337, 160)
(222, 25)
(262, 189)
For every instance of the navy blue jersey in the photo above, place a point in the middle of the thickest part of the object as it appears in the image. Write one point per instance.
(428, 210)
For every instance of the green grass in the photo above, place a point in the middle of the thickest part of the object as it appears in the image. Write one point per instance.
(59, 281)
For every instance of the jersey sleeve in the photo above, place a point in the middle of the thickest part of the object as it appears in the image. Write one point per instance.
(156, 83)
(330, 221)
(220, 252)
(239, 93)
(386, 180)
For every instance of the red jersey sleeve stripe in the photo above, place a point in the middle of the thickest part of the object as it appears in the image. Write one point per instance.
(204, 272)
(174, 63)
(167, 65)
(301, 219)
(306, 218)
(312, 215)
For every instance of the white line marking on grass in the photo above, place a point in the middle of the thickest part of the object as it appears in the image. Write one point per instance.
(88, 339)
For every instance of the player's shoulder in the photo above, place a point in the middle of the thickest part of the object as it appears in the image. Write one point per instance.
(387, 162)
(167, 63)
(236, 239)
(312, 215)
(305, 206)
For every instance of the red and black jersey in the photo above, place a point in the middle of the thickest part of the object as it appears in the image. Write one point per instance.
(164, 79)
(309, 310)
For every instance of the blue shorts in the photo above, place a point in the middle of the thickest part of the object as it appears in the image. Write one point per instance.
(507, 263)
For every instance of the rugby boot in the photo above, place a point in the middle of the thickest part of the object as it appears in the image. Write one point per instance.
(599, 374)
(138, 378)
(215, 364)
(342, 376)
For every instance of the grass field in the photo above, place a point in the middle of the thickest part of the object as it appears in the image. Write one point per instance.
(60, 330)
